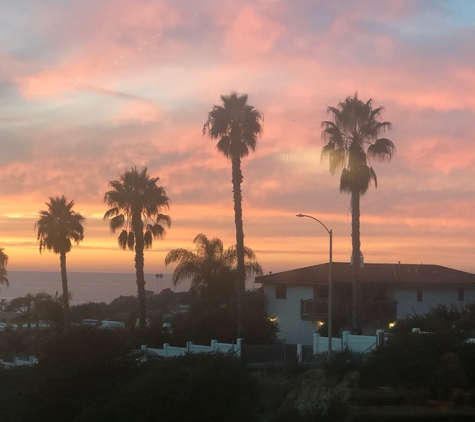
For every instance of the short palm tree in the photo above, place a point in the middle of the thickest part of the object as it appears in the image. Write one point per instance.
(3, 269)
(237, 125)
(57, 227)
(351, 141)
(136, 203)
(211, 267)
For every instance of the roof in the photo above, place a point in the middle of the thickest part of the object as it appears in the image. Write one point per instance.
(342, 272)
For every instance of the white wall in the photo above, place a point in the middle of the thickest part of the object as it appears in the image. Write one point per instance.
(287, 312)
(407, 303)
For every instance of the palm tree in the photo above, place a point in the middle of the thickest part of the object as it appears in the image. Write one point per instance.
(211, 268)
(136, 203)
(3, 270)
(237, 125)
(351, 141)
(57, 226)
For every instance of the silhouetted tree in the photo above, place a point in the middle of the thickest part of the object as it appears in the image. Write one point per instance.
(237, 125)
(136, 203)
(351, 141)
(212, 268)
(57, 226)
(3, 270)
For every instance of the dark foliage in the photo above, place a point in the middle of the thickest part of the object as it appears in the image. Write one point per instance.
(79, 367)
(202, 387)
(89, 375)
(208, 320)
(441, 318)
(437, 361)
(341, 362)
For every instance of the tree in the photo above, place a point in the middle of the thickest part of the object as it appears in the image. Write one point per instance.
(136, 203)
(351, 141)
(41, 307)
(57, 226)
(212, 268)
(237, 125)
(3, 270)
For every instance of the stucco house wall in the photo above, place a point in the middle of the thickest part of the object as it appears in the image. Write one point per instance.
(432, 296)
(287, 311)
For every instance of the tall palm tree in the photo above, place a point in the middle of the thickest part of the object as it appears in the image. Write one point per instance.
(3, 270)
(57, 227)
(211, 267)
(136, 203)
(237, 125)
(351, 141)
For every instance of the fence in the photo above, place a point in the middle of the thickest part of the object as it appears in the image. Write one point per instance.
(279, 352)
(356, 343)
(169, 351)
(18, 362)
(259, 353)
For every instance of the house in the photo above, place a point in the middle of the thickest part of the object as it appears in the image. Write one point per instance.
(298, 298)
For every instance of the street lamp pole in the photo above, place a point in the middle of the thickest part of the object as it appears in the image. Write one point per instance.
(161, 278)
(330, 285)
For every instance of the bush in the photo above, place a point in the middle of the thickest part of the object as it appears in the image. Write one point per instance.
(196, 387)
(408, 360)
(88, 375)
(341, 362)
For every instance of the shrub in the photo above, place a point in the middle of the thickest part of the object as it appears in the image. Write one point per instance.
(407, 360)
(341, 362)
(196, 387)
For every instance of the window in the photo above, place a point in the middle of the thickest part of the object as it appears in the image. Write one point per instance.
(461, 294)
(280, 292)
(320, 293)
(419, 295)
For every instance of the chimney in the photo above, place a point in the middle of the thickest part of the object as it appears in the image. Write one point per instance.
(361, 260)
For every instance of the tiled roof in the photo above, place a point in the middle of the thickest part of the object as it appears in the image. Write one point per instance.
(371, 273)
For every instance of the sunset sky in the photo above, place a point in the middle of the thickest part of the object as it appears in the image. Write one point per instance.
(91, 88)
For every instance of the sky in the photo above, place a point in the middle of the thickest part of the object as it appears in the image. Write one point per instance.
(89, 89)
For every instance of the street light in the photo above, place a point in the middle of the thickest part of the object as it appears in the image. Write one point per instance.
(330, 290)
(161, 279)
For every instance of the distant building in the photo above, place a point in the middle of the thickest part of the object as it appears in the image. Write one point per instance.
(299, 298)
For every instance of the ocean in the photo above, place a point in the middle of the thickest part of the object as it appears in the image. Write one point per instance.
(84, 287)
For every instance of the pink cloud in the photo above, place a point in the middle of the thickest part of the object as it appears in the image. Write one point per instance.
(251, 34)
(442, 154)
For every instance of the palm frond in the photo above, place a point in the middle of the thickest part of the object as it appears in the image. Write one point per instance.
(224, 146)
(111, 213)
(156, 230)
(236, 124)
(162, 218)
(147, 240)
(136, 197)
(253, 268)
(131, 240)
(116, 222)
(179, 254)
(58, 225)
(355, 124)
(122, 239)
(382, 149)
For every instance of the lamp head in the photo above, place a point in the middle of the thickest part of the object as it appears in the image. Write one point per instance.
(300, 215)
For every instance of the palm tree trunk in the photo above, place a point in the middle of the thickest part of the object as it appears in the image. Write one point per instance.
(139, 265)
(356, 245)
(241, 271)
(64, 283)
